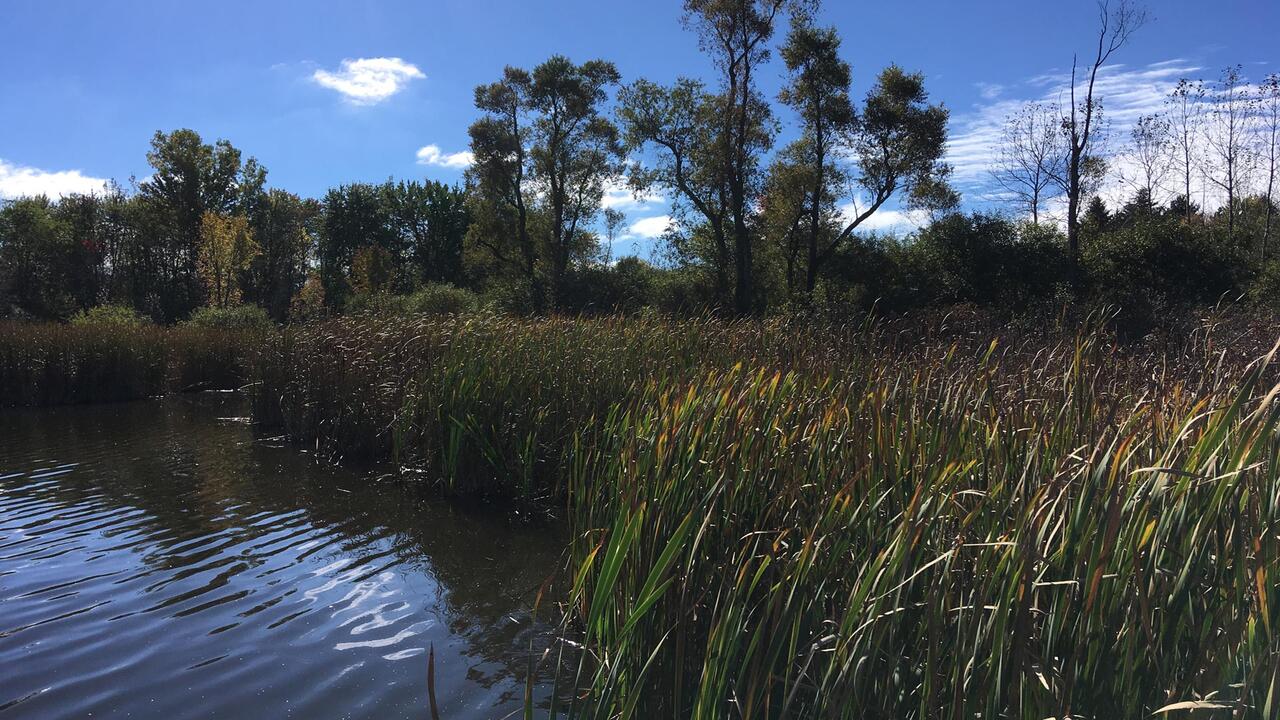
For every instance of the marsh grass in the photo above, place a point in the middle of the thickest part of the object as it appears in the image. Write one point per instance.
(960, 538)
(55, 364)
(788, 520)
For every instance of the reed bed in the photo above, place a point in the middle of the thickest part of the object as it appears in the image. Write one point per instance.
(54, 364)
(788, 520)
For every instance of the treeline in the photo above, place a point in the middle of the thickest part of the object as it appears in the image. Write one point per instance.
(754, 228)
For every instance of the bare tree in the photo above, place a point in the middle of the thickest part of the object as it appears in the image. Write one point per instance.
(1149, 155)
(1269, 116)
(613, 222)
(1186, 120)
(1228, 139)
(1031, 157)
(1118, 21)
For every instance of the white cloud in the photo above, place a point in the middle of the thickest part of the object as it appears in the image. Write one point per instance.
(618, 195)
(650, 227)
(433, 155)
(368, 81)
(18, 181)
(1126, 94)
(890, 220)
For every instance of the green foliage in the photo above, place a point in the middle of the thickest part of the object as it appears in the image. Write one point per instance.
(1149, 267)
(110, 315)
(431, 299)
(920, 541)
(238, 317)
(823, 520)
(102, 358)
(990, 261)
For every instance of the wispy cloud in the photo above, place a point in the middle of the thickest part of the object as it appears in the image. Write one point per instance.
(1126, 94)
(434, 156)
(19, 181)
(619, 196)
(368, 81)
(989, 91)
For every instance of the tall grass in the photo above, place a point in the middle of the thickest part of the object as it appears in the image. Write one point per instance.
(790, 520)
(959, 538)
(483, 404)
(53, 364)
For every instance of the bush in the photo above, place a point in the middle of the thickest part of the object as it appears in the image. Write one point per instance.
(442, 299)
(1265, 288)
(117, 315)
(625, 287)
(241, 317)
(431, 299)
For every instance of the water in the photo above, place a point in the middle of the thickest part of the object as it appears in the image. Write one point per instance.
(158, 562)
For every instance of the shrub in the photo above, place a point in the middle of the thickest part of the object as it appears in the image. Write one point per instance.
(431, 299)
(118, 315)
(240, 317)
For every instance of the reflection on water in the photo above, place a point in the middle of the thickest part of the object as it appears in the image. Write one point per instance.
(156, 561)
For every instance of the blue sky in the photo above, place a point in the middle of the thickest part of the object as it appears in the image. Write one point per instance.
(85, 84)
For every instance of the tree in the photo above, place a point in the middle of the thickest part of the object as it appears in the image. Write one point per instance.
(1149, 155)
(1031, 157)
(1269, 105)
(1185, 110)
(285, 226)
(680, 123)
(819, 93)
(575, 151)
(898, 145)
(1097, 215)
(227, 248)
(543, 153)
(1228, 141)
(431, 219)
(614, 220)
(787, 201)
(355, 216)
(189, 178)
(1118, 20)
(499, 142)
(33, 259)
(735, 33)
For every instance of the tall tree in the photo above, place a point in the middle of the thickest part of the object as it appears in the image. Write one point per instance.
(285, 227)
(735, 34)
(34, 256)
(575, 151)
(818, 91)
(614, 220)
(227, 248)
(1031, 157)
(1269, 125)
(1118, 20)
(432, 220)
(1149, 156)
(355, 216)
(898, 147)
(543, 153)
(1184, 109)
(680, 123)
(499, 144)
(1228, 140)
(189, 178)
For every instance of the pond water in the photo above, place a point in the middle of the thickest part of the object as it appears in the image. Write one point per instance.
(158, 561)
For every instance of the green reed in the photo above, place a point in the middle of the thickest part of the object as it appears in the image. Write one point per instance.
(966, 536)
(55, 364)
(777, 519)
